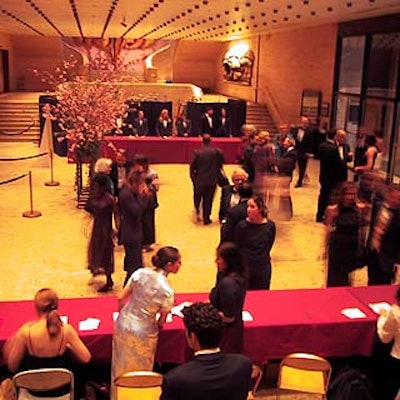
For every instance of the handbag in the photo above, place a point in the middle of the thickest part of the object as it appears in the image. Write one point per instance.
(222, 179)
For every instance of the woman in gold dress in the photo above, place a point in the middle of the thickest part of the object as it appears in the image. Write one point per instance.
(146, 294)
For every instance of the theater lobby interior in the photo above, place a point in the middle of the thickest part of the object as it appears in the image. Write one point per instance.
(185, 54)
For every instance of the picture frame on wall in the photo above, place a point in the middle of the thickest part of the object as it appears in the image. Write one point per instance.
(311, 105)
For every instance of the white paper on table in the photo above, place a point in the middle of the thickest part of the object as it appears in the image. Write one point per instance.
(353, 313)
(378, 307)
(246, 316)
(169, 317)
(64, 319)
(89, 324)
(115, 315)
(177, 310)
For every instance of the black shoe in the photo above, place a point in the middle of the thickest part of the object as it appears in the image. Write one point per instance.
(106, 288)
(297, 185)
(207, 222)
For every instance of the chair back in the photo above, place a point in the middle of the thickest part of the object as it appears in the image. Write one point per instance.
(43, 380)
(142, 385)
(303, 372)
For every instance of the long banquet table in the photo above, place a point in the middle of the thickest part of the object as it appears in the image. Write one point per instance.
(284, 321)
(171, 150)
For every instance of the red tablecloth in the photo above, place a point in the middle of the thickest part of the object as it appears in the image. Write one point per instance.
(172, 150)
(284, 321)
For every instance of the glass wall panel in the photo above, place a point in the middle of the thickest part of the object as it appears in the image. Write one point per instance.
(351, 64)
(383, 67)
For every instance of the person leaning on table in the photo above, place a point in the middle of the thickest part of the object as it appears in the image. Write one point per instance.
(46, 342)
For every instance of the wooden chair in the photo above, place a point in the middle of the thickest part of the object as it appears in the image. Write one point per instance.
(142, 385)
(256, 376)
(304, 373)
(43, 380)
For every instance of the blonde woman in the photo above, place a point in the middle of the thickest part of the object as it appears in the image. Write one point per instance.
(164, 124)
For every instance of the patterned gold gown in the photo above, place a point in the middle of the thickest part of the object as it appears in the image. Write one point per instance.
(136, 330)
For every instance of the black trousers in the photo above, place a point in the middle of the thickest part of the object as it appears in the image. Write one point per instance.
(376, 276)
(133, 259)
(323, 201)
(204, 194)
(302, 161)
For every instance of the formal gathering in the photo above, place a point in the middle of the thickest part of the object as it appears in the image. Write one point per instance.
(200, 200)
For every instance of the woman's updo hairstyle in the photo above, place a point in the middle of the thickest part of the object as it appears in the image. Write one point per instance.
(164, 256)
(46, 302)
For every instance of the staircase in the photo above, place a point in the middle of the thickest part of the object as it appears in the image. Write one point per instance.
(15, 117)
(258, 115)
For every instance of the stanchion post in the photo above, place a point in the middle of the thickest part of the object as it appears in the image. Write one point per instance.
(52, 182)
(31, 213)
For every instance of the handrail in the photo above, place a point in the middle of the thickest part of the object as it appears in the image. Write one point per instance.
(273, 107)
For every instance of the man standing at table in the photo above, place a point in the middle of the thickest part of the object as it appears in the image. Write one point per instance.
(212, 375)
(208, 123)
(205, 169)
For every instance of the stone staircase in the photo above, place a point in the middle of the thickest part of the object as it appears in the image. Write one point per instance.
(258, 115)
(15, 117)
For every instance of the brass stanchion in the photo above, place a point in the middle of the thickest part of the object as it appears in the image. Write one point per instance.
(31, 213)
(52, 182)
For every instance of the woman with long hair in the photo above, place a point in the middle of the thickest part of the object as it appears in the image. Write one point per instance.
(146, 294)
(228, 295)
(255, 237)
(344, 234)
(46, 342)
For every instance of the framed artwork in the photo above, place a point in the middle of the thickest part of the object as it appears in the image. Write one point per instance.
(311, 105)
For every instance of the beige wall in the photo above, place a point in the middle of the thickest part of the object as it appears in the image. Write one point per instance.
(6, 44)
(34, 52)
(287, 63)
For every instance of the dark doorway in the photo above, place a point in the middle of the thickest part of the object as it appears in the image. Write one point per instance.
(4, 72)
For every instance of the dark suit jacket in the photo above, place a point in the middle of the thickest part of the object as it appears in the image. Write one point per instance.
(209, 377)
(330, 164)
(305, 145)
(224, 205)
(205, 125)
(233, 216)
(223, 130)
(161, 130)
(343, 162)
(181, 129)
(206, 165)
(287, 163)
(141, 130)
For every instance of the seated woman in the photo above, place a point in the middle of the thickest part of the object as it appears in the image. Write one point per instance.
(183, 126)
(164, 124)
(228, 296)
(46, 342)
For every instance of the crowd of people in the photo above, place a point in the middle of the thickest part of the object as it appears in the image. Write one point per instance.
(362, 222)
(135, 123)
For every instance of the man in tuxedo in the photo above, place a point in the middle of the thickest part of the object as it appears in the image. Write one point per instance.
(383, 242)
(205, 169)
(230, 193)
(141, 124)
(345, 154)
(303, 135)
(330, 167)
(208, 123)
(212, 375)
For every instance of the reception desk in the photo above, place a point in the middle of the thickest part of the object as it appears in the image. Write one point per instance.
(171, 150)
(284, 321)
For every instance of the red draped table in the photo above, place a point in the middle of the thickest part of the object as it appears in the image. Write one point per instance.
(284, 321)
(171, 150)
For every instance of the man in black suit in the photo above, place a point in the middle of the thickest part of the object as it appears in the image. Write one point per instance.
(383, 242)
(236, 213)
(230, 193)
(208, 123)
(344, 152)
(212, 375)
(141, 124)
(329, 171)
(304, 136)
(204, 171)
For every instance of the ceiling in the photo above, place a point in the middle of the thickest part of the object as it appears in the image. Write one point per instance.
(178, 19)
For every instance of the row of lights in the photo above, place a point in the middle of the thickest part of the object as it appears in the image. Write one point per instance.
(44, 16)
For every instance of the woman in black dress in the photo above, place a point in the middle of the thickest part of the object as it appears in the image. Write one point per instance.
(102, 206)
(255, 236)
(344, 234)
(228, 295)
